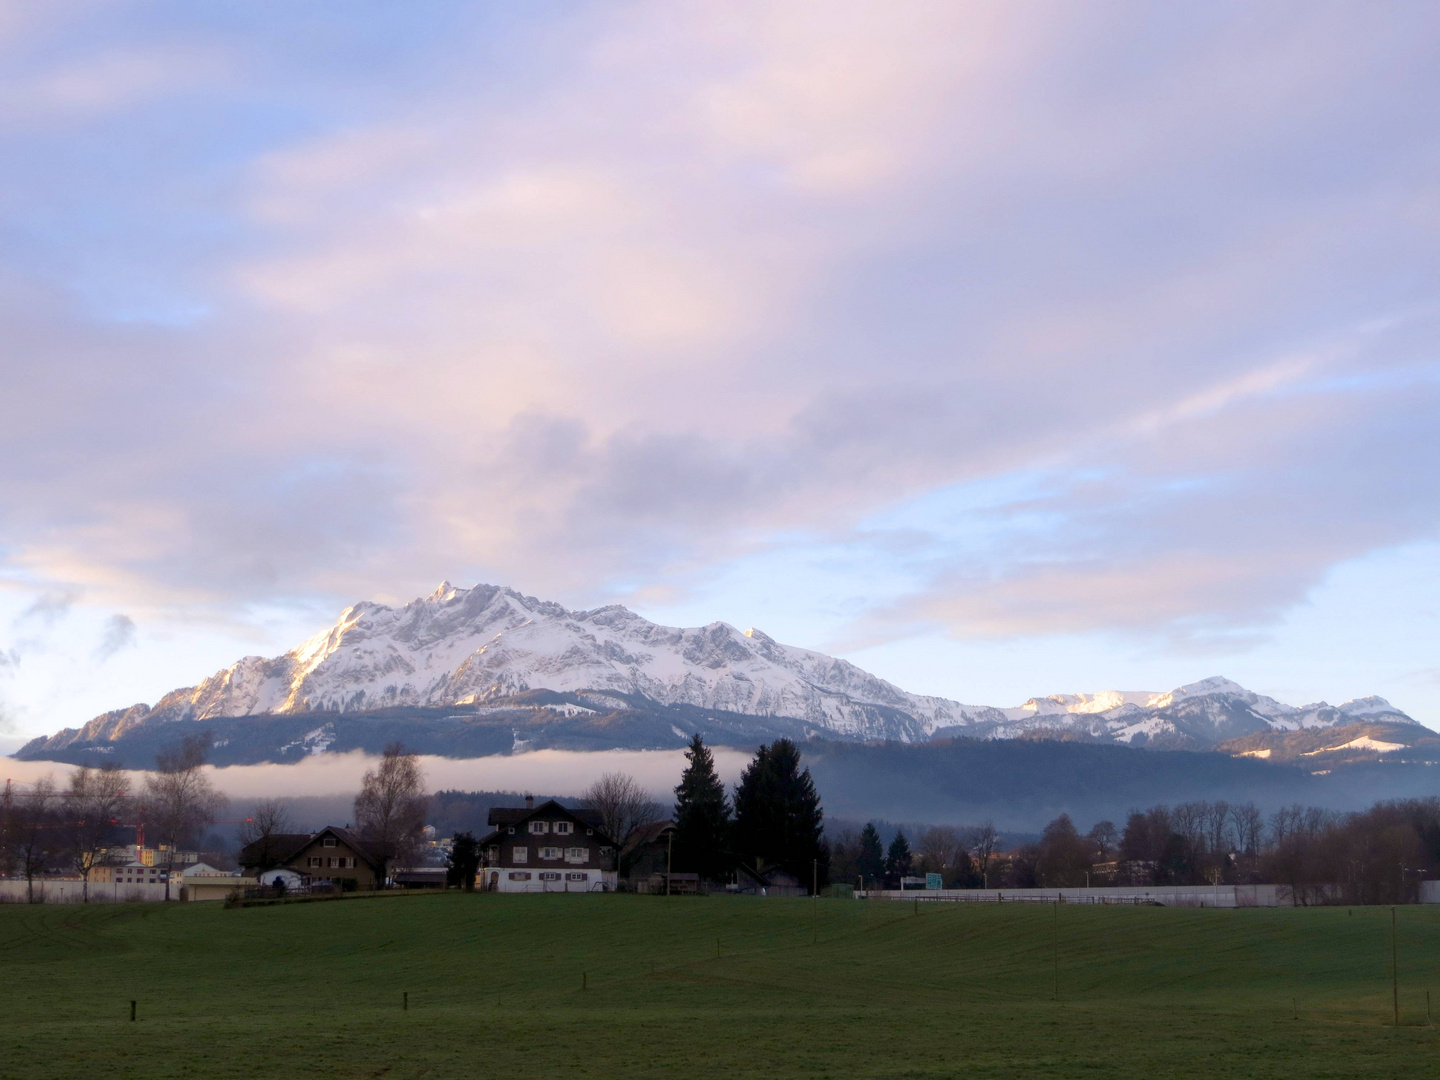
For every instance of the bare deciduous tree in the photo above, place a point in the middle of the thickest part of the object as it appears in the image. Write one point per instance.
(1106, 837)
(92, 804)
(1249, 827)
(983, 840)
(1217, 827)
(9, 824)
(269, 819)
(391, 807)
(1188, 819)
(180, 801)
(938, 847)
(624, 808)
(36, 836)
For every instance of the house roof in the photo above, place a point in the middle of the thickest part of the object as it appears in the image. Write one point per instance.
(504, 816)
(650, 832)
(284, 847)
(274, 850)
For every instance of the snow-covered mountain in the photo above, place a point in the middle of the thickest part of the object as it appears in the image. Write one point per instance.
(470, 650)
(1198, 714)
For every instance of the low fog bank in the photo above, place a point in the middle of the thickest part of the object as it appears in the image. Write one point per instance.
(338, 775)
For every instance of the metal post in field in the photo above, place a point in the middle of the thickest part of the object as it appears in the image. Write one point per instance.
(132, 1012)
(669, 850)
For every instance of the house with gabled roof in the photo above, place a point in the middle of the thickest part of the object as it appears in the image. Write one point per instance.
(546, 848)
(332, 856)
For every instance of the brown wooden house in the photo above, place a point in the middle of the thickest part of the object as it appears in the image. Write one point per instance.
(546, 848)
(332, 856)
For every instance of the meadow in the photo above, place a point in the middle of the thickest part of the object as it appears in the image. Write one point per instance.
(545, 986)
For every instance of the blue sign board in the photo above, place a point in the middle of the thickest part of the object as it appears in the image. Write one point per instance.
(932, 881)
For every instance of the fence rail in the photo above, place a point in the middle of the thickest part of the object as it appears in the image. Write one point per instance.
(1215, 896)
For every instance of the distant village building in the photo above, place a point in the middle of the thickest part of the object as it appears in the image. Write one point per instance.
(129, 873)
(546, 848)
(203, 882)
(147, 856)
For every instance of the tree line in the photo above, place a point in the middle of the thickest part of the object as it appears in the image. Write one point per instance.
(1374, 856)
(964, 858)
(46, 827)
(773, 819)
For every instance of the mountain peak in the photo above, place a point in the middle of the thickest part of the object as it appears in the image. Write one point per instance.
(461, 648)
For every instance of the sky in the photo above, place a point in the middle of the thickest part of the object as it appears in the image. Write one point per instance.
(1004, 349)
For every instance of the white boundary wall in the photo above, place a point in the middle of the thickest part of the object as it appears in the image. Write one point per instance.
(1219, 896)
(595, 881)
(71, 891)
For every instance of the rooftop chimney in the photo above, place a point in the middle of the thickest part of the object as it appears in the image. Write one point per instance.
(529, 802)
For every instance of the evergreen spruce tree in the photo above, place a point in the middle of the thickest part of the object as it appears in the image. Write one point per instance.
(871, 860)
(702, 817)
(899, 860)
(778, 818)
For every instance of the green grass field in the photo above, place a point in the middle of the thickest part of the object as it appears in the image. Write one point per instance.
(835, 988)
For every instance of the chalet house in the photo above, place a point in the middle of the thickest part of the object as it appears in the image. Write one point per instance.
(546, 848)
(331, 856)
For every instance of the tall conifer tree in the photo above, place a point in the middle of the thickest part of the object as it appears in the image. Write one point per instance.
(871, 860)
(778, 817)
(899, 861)
(702, 817)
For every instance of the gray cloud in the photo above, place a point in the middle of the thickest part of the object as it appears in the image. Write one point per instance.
(119, 634)
(49, 608)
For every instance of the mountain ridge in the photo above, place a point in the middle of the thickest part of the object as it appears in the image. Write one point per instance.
(486, 648)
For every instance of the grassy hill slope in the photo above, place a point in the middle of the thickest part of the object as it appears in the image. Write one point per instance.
(798, 988)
